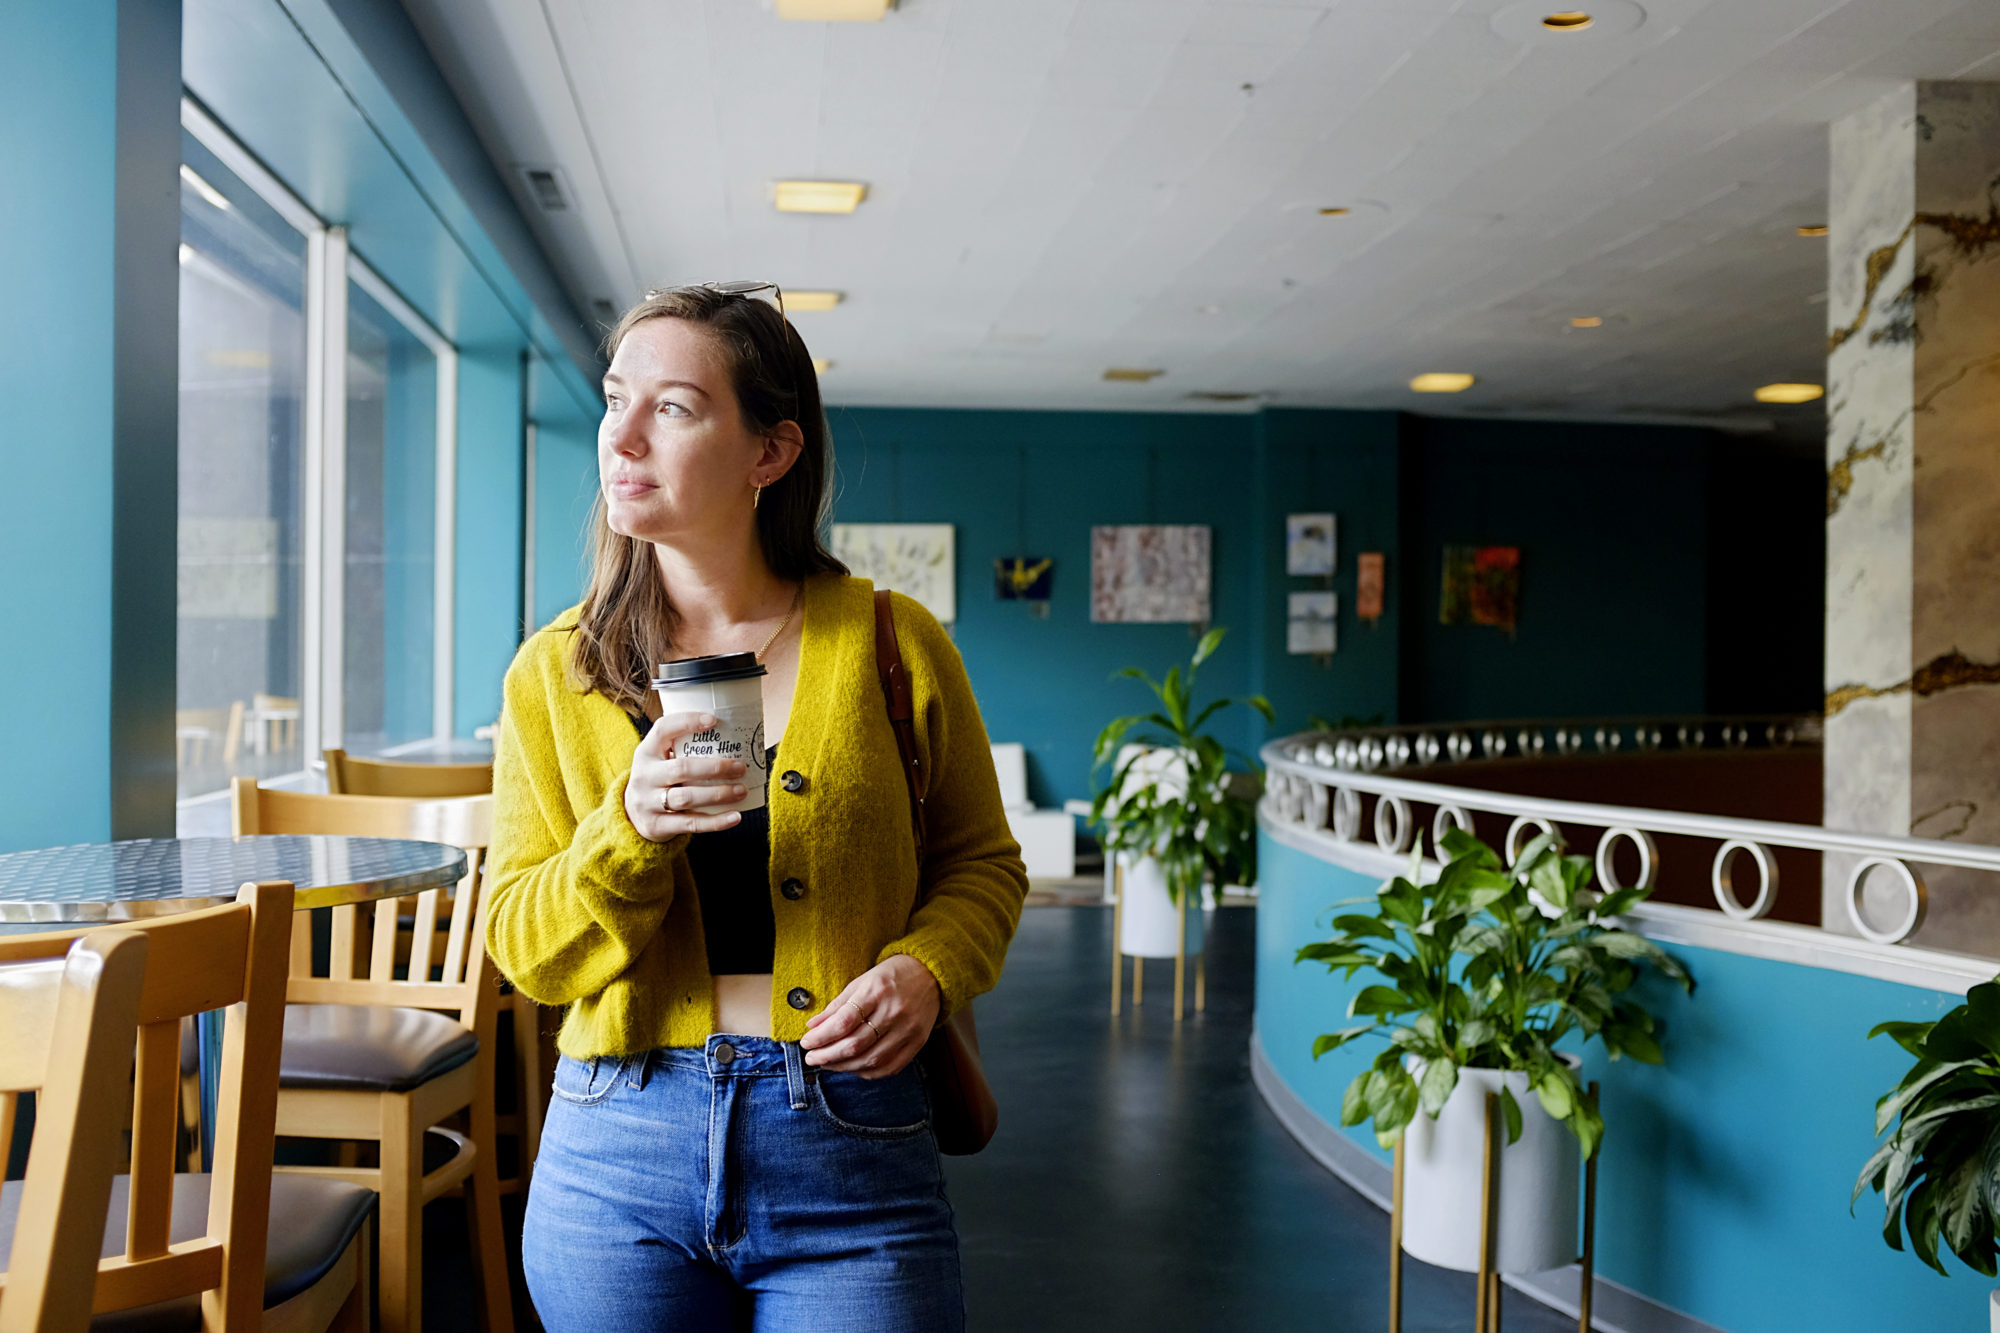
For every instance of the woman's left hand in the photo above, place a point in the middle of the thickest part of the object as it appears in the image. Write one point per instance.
(878, 1024)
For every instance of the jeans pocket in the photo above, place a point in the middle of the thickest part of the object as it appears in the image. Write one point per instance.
(587, 1082)
(873, 1108)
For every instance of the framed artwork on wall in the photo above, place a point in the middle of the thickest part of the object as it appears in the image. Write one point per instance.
(1023, 578)
(916, 559)
(1481, 586)
(1151, 574)
(1310, 622)
(1309, 544)
(1370, 579)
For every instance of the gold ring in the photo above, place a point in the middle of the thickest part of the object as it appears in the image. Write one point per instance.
(666, 795)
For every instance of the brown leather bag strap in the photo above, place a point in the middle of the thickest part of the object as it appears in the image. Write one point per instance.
(902, 715)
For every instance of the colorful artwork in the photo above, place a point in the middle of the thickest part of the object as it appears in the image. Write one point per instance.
(1309, 622)
(1482, 585)
(1149, 575)
(1023, 579)
(1370, 578)
(916, 559)
(1309, 543)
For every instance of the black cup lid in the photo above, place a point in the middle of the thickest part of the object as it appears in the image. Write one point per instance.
(708, 670)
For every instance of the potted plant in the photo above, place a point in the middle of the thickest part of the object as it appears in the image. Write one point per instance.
(1939, 1171)
(1485, 970)
(1168, 811)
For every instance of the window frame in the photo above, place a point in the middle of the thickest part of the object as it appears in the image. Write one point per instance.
(330, 265)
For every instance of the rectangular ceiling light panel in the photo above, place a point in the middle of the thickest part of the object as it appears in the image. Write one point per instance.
(804, 300)
(834, 11)
(818, 196)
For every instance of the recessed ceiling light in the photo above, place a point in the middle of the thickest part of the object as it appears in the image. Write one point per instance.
(818, 196)
(804, 300)
(1335, 212)
(203, 188)
(835, 11)
(821, 365)
(1789, 393)
(1585, 321)
(1816, 230)
(1567, 20)
(1132, 375)
(1442, 381)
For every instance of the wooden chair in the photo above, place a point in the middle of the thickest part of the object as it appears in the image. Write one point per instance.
(368, 1057)
(349, 776)
(66, 1032)
(236, 1249)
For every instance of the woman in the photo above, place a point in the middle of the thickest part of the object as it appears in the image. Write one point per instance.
(738, 1136)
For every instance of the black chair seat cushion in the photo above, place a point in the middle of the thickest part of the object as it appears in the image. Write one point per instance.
(313, 1221)
(372, 1048)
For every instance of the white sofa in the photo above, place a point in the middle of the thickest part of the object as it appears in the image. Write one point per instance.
(1047, 837)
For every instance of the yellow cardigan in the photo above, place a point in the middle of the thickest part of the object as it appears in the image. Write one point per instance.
(586, 913)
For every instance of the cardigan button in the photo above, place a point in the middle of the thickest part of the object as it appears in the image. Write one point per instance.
(793, 780)
(799, 998)
(792, 889)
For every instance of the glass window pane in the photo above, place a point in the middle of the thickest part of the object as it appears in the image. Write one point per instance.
(242, 394)
(391, 529)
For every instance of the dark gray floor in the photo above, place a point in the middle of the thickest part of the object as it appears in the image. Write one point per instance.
(1137, 1182)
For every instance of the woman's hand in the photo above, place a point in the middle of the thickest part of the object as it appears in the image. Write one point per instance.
(878, 1024)
(662, 788)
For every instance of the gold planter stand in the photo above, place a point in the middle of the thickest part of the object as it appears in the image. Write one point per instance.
(1486, 1314)
(1139, 963)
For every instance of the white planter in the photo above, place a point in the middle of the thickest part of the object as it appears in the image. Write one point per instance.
(1149, 924)
(1535, 1212)
(1993, 1312)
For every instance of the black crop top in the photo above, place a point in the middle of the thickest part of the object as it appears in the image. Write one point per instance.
(732, 878)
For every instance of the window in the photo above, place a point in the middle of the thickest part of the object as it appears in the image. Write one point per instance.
(388, 630)
(240, 573)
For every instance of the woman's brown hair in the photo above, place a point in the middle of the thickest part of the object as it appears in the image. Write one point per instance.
(627, 624)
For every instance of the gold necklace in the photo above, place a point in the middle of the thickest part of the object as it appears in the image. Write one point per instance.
(797, 598)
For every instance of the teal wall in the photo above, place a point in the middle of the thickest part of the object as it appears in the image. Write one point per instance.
(88, 228)
(1618, 571)
(1612, 526)
(1725, 1174)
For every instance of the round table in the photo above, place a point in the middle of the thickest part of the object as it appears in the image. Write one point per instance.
(103, 883)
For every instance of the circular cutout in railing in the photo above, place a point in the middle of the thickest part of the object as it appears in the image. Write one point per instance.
(1649, 858)
(1916, 899)
(1396, 751)
(1447, 815)
(1722, 879)
(1647, 737)
(1691, 737)
(1529, 742)
(1780, 734)
(1520, 825)
(1313, 804)
(1370, 751)
(1393, 825)
(1460, 746)
(1344, 754)
(1609, 739)
(1493, 743)
(1427, 749)
(1346, 813)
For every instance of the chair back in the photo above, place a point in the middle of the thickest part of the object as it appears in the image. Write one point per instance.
(231, 958)
(349, 776)
(364, 957)
(66, 1032)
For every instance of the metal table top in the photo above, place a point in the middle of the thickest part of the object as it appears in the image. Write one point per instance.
(457, 750)
(124, 881)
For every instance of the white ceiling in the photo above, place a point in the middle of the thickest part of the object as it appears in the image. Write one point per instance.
(1061, 186)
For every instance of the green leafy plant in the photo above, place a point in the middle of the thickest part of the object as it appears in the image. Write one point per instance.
(1489, 967)
(1939, 1171)
(1179, 812)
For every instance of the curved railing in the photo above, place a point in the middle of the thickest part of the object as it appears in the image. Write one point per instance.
(1361, 798)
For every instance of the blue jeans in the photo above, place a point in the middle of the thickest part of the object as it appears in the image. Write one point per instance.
(732, 1188)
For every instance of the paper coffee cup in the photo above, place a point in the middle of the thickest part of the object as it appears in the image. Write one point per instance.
(729, 686)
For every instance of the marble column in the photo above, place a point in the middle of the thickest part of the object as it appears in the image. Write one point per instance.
(1913, 495)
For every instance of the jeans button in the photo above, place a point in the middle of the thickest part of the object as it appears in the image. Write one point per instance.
(792, 889)
(792, 780)
(724, 1053)
(799, 998)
